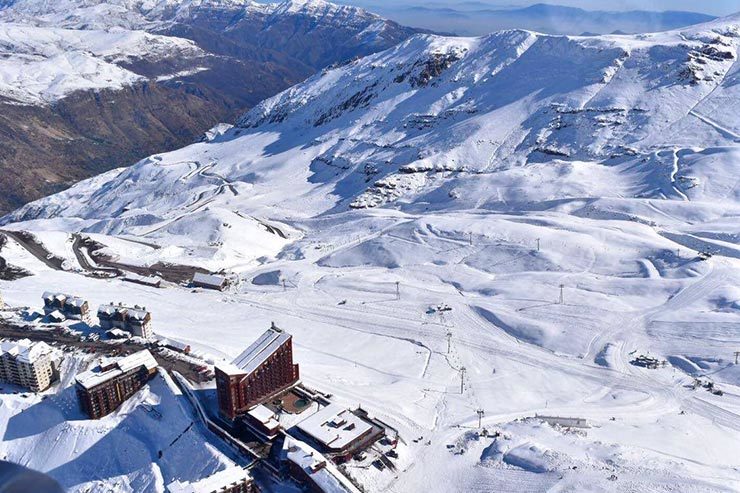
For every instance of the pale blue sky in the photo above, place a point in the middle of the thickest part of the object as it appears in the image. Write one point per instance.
(714, 7)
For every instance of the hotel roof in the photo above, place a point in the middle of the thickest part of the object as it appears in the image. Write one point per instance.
(260, 350)
(334, 427)
(96, 376)
(265, 416)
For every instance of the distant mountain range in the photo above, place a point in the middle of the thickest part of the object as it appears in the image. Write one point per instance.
(477, 18)
(87, 86)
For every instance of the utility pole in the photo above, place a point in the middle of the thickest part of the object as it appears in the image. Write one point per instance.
(562, 298)
(449, 344)
(285, 288)
(538, 244)
(471, 238)
(480, 413)
(462, 379)
(398, 290)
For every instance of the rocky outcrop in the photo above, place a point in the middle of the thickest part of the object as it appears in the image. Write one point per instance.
(44, 149)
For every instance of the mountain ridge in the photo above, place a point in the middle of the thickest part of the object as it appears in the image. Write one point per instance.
(388, 128)
(226, 56)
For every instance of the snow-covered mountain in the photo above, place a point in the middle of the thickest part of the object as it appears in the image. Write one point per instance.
(100, 73)
(435, 118)
(498, 224)
(297, 28)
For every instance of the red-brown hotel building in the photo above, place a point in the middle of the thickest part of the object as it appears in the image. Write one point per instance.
(263, 370)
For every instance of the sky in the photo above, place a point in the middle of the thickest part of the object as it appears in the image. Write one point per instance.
(713, 7)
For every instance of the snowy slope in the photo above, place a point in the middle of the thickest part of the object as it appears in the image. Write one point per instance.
(488, 175)
(42, 65)
(118, 453)
(504, 115)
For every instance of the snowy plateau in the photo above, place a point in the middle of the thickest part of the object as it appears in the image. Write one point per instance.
(538, 210)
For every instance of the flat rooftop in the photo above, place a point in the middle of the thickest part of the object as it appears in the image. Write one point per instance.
(209, 279)
(334, 427)
(265, 416)
(96, 376)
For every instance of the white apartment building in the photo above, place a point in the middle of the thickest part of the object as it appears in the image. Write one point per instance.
(34, 365)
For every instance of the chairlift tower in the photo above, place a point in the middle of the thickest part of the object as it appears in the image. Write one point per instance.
(480, 413)
(562, 298)
(462, 379)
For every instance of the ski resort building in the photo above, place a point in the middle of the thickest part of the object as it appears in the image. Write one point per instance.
(70, 306)
(231, 480)
(136, 320)
(263, 370)
(262, 422)
(563, 421)
(33, 365)
(338, 432)
(210, 281)
(308, 467)
(105, 387)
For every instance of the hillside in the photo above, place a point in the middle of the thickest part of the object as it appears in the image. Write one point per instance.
(500, 224)
(120, 80)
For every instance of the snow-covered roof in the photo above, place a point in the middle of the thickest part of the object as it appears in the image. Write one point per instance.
(261, 349)
(334, 426)
(215, 482)
(136, 313)
(320, 470)
(48, 295)
(119, 333)
(108, 309)
(67, 299)
(25, 350)
(96, 376)
(57, 315)
(209, 279)
(74, 301)
(164, 341)
(265, 416)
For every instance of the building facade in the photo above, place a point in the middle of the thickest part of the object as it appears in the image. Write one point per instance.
(263, 370)
(136, 320)
(105, 387)
(70, 306)
(33, 365)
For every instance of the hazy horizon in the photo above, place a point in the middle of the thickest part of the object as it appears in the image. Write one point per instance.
(718, 8)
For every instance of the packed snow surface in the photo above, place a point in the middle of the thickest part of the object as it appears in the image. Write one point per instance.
(538, 210)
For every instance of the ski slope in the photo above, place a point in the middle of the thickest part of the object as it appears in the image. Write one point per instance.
(486, 175)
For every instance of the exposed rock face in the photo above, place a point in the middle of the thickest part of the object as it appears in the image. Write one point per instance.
(44, 149)
(244, 54)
